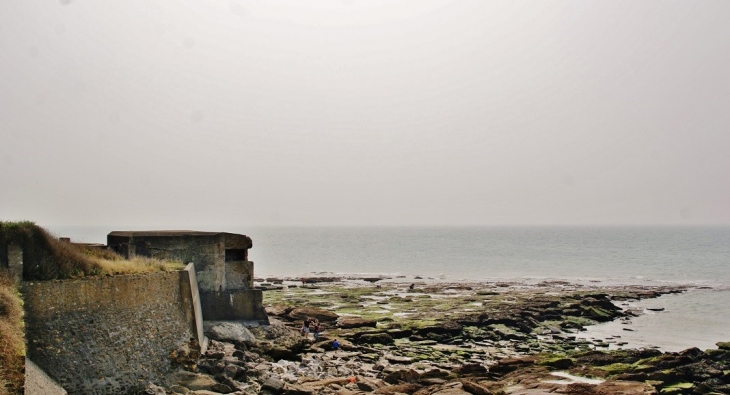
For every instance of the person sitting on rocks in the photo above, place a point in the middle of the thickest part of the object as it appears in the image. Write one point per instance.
(335, 345)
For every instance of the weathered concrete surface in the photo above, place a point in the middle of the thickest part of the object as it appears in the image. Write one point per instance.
(37, 382)
(216, 255)
(189, 289)
(15, 261)
(242, 304)
(108, 335)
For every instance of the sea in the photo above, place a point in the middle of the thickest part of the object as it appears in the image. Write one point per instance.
(696, 257)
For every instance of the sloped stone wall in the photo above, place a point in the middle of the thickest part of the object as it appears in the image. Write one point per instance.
(109, 335)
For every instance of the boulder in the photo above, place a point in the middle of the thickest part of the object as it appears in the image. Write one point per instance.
(402, 375)
(186, 354)
(233, 332)
(279, 310)
(152, 389)
(221, 388)
(278, 341)
(274, 385)
(196, 381)
(302, 313)
(368, 384)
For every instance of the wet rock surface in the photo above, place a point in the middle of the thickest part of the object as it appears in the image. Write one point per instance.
(442, 339)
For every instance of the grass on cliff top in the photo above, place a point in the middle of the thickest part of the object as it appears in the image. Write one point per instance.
(12, 338)
(47, 258)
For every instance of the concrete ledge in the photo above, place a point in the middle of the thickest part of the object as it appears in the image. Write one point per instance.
(234, 305)
(189, 291)
(37, 382)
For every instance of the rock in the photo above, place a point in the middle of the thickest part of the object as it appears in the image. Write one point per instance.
(355, 322)
(368, 384)
(229, 331)
(302, 313)
(375, 338)
(510, 364)
(723, 345)
(435, 373)
(274, 385)
(221, 388)
(449, 388)
(402, 375)
(187, 354)
(312, 280)
(233, 371)
(278, 341)
(196, 381)
(446, 327)
(558, 363)
(278, 310)
(399, 333)
(398, 359)
(293, 389)
(152, 389)
(470, 369)
(474, 388)
(178, 389)
(407, 388)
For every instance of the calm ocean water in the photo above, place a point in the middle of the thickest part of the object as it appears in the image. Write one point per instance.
(599, 255)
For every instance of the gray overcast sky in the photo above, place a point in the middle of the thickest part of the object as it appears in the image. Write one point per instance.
(187, 113)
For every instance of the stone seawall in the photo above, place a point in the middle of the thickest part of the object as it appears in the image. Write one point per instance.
(109, 335)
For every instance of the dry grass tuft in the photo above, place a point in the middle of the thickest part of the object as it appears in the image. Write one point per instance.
(12, 337)
(47, 258)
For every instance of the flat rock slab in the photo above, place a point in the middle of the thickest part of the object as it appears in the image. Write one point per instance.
(322, 315)
(355, 322)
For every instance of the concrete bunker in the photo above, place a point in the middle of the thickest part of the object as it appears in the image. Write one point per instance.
(223, 271)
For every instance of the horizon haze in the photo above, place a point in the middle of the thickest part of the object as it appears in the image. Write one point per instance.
(230, 113)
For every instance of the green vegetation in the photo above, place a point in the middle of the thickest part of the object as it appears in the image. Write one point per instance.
(12, 339)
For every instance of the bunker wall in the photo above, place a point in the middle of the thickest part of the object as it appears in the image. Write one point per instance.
(109, 335)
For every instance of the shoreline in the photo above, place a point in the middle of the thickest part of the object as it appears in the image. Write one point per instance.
(446, 337)
(639, 332)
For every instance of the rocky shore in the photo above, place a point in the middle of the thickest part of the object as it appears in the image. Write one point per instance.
(440, 338)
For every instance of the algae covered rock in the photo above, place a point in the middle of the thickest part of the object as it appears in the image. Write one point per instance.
(355, 322)
(375, 338)
(302, 313)
(723, 345)
(278, 341)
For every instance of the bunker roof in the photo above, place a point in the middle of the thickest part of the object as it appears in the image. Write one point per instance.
(233, 239)
(148, 233)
